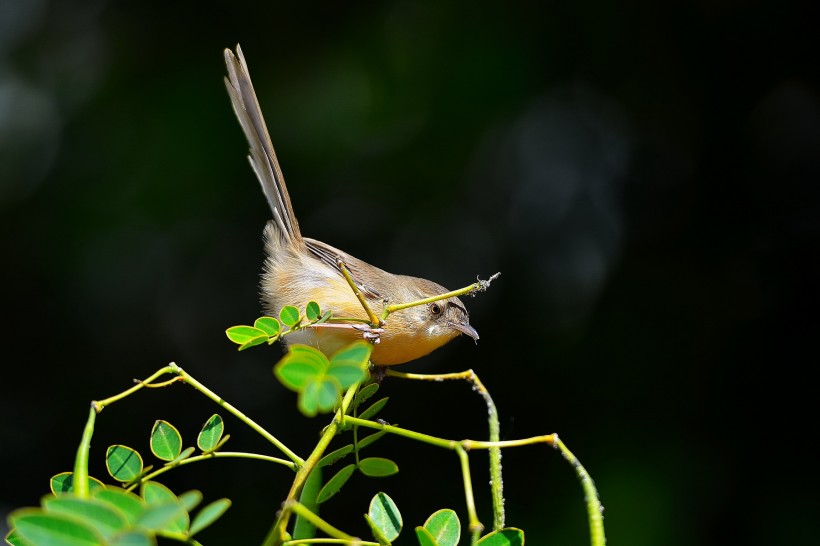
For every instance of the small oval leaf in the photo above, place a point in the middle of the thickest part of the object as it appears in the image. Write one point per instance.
(289, 315)
(208, 515)
(444, 527)
(378, 467)
(504, 537)
(246, 336)
(129, 504)
(36, 527)
(374, 409)
(385, 515)
(364, 442)
(269, 325)
(166, 441)
(94, 513)
(312, 311)
(123, 463)
(425, 537)
(335, 483)
(319, 396)
(346, 375)
(133, 538)
(364, 393)
(301, 366)
(167, 513)
(211, 432)
(64, 483)
(334, 456)
(357, 355)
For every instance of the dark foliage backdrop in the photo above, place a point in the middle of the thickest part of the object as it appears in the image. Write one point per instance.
(644, 175)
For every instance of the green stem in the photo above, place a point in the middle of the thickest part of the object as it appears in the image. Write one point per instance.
(212, 455)
(475, 527)
(479, 286)
(79, 478)
(241, 416)
(496, 481)
(321, 524)
(595, 509)
(277, 534)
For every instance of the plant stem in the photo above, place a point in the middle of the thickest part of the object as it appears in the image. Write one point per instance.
(496, 481)
(595, 509)
(374, 320)
(475, 527)
(277, 534)
(79, 478)
(212, 455)
(241, 416)
(479, 286)
(303, 512)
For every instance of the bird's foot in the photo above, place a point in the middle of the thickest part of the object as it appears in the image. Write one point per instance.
(371, 334)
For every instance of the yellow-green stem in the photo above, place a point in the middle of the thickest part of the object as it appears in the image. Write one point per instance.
(80, 477)
(244, 418)
(277, 534)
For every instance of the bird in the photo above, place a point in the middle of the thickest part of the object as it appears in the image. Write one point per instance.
(298, 269)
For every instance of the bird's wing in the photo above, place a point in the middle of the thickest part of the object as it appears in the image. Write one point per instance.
(331, 256)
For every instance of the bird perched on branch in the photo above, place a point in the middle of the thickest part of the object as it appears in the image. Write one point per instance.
(298, 269)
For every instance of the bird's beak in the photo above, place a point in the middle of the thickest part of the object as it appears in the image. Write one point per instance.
(465, 328)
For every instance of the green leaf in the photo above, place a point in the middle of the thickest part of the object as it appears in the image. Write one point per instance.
(346, 375)
(335, 483)
(269, 325)
(41, 529)
(93, 513)
(123, 463)
(325, 317)
(377, 533)
(14, 539)
(164, 517)
(289, 315)
(334, 456)
(187, 452)
(64, 483)
(385, 515)
(159, 496)
(301, 366)
(374, 409)
(129, 504)
(190, 499)
(208, 515)
(312, 311)
(210, 434)
(356, 354)
(166, 442)
(444, 527)
(364, 442)
(365, 393)
(378, 467)
(132, 538)
(425, 537)
(320, 396)
(505, 537)
(246, 336)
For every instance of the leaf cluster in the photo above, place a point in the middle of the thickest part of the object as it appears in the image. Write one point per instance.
(116, 516)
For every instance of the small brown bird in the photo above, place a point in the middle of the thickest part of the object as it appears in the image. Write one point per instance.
(298, 270)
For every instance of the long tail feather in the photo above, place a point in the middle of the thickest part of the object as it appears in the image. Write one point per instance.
(262, 157)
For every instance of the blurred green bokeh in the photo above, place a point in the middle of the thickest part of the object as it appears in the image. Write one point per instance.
(645, 177)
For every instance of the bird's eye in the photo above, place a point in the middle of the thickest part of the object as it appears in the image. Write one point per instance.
(435, 308)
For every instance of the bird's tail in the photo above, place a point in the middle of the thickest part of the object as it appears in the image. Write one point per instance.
(262, 157)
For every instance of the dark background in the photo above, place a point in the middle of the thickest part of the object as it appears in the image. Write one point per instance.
(644, 175)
